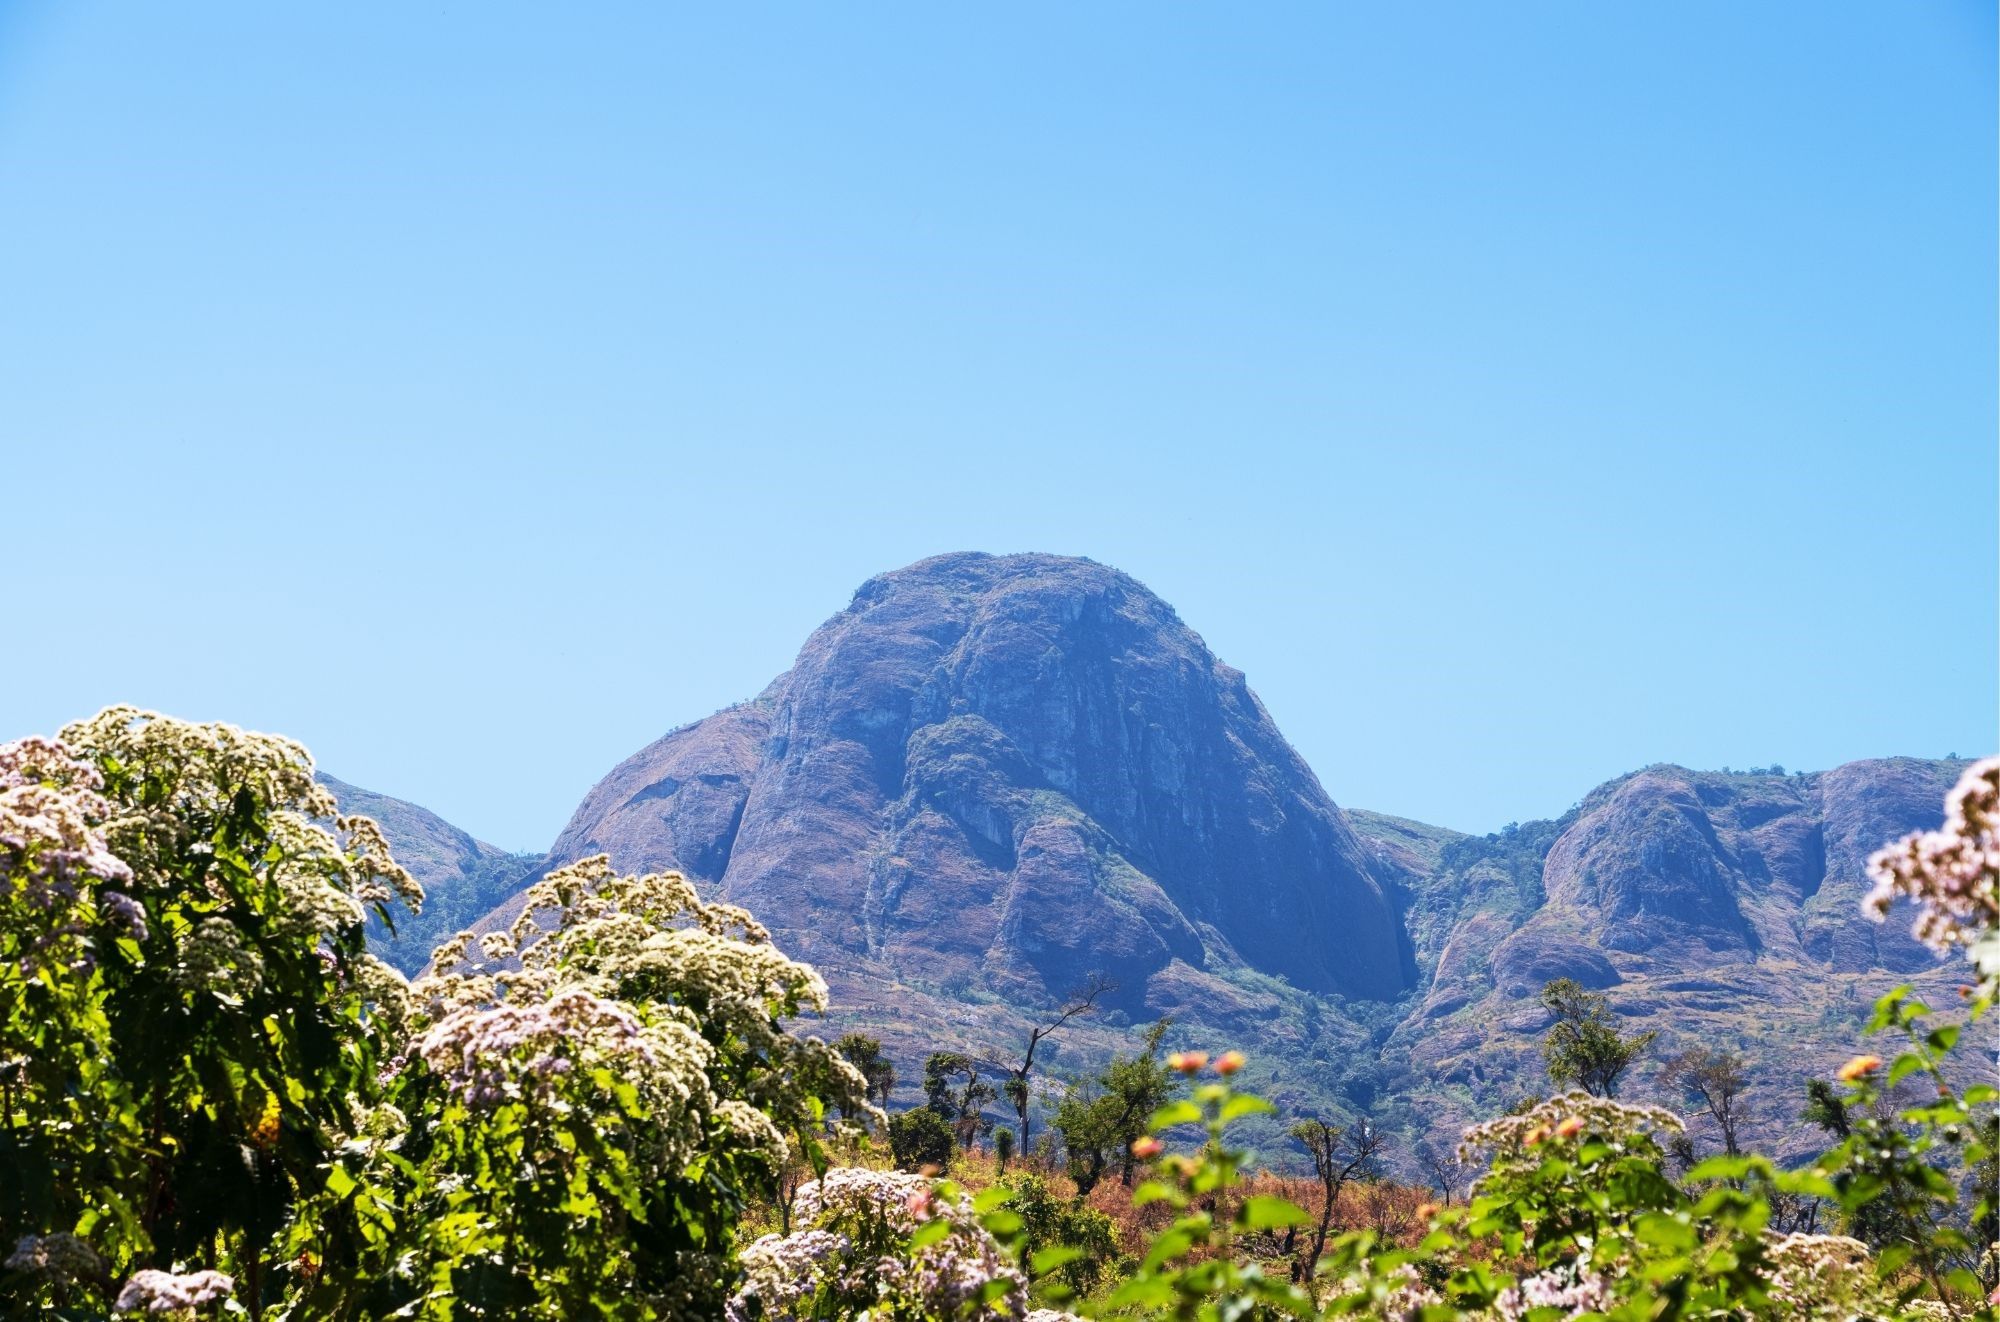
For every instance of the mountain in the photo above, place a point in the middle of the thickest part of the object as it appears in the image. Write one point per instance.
(1716, 909)
(992, 777)
(462, 877)
(1018, 770)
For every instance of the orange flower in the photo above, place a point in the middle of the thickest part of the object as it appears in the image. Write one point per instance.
(1859, 1068)
(1146, 1147)
(1230, 1062)
(1425, 1211)
(264, 1133)
(1571, 1126)
(1536, 1135)
(1187, 1062)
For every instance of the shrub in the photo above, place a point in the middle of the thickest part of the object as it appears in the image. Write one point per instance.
(920, 1138)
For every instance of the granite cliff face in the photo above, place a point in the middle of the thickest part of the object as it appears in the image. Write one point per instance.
(1012, 771)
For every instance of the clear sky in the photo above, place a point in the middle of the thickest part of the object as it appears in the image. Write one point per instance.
(1519, 393)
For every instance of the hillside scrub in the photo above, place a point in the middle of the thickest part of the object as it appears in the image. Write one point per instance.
(215, 1099)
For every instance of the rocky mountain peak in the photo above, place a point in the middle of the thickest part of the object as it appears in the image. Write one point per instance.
(1012, 770)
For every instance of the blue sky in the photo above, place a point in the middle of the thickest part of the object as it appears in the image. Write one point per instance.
(1519, 394)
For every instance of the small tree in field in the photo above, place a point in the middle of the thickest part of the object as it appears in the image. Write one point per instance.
(1018, 1087)
(1716, 1080)
(1100, 1118)
(1340, 1153)
(1584, 1048)
(918, 1138)
(954, 1089)
(865, 1054)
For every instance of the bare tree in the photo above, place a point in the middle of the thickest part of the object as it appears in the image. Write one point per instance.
(1715, 1079)
(1339, 1153)
(1017, 1087)
(1442, 1164)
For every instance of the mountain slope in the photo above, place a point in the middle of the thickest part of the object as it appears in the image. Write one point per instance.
(462, 877)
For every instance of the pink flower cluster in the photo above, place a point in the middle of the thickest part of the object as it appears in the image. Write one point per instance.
(151, 1291)
(1953, 873)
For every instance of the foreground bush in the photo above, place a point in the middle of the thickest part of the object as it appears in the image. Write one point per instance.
(213, 1096)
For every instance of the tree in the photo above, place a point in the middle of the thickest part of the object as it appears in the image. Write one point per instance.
(1715, 1079)
(865, 1054)
(1442, 1164)
(1584, 1047)
(1339, 1153)
(1017, 1087)
(1003, 1147)
(1099, 1119)
(962, 1105)
(920, 1138)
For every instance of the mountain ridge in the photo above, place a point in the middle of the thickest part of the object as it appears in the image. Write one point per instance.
(989, 777)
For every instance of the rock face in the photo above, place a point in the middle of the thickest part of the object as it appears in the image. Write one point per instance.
(1717, 909)
(1014, 772)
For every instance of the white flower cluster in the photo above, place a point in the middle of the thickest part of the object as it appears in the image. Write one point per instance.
(782, 1272)
(1952, 873)
(59, 1257)
(1821, 1276)
(1563, 1117)
(514, 1052)
(1570, 1289)
(173, 1294)
(56, 855)
(651, 941)
(854, 1248)
(214, 958)
(202, 767)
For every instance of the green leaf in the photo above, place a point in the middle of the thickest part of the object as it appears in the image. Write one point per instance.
(1053, 1257)
(929, 1233)
(1722, 1168)
(1169, 1245)
(339, 1183)
(1665, 1232)
(1152, 1191)
(1245, 1104)
(1904, 1066)
(1174, 1113)
(1261, 1212)
(988, 1199)
(1003, 1224)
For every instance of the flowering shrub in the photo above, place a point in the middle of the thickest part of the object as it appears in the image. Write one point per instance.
(883, 1245)
(213, 1096)
(184, 1013)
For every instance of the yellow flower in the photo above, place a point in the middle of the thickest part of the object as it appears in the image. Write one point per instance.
(1146, 1147)
(1187, 1062)
(1859, 1068)
(1536, 1135)
(1230, 1062)
(1570, 1127)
